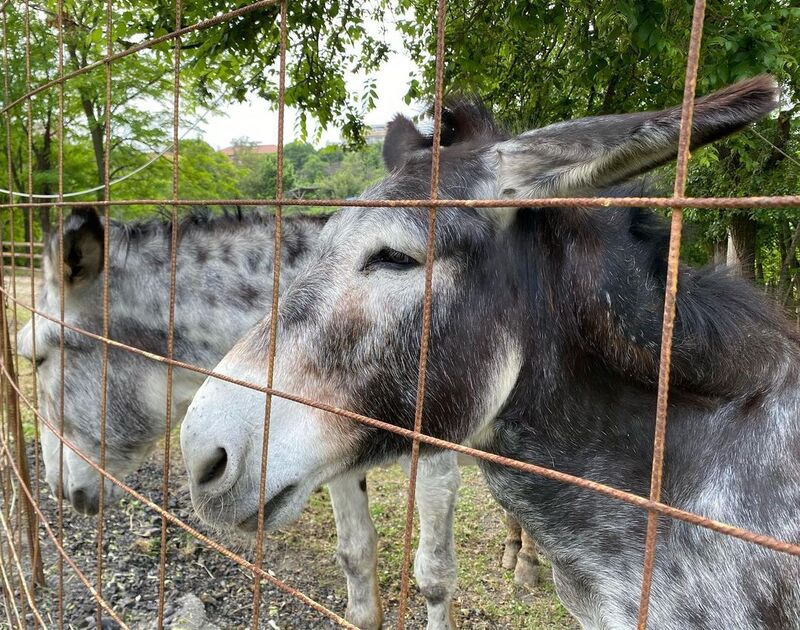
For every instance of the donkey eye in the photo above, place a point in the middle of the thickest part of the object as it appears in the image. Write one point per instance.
(388, 258)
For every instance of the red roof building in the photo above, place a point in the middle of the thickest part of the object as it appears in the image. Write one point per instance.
(258, 149)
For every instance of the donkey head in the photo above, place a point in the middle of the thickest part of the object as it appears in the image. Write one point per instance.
(349, 327)
(76, 264)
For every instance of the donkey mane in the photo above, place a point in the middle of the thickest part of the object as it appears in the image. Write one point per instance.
(199, 220)
(200, 230)
(614, 311)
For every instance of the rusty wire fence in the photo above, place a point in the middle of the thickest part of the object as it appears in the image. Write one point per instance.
(22, 520)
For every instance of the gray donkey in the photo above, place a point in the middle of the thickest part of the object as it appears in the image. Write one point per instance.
(545, 342)
(224, 286)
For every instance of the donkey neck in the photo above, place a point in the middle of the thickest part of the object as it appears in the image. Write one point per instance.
(585, 402)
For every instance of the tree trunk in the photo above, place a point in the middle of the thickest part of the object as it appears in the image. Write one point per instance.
(720, 249)
(26, 225)
(788, 261)
(743, 233)
(44, 221)
(44, 163)
(97, 133)
(732, 258)
(607, 105)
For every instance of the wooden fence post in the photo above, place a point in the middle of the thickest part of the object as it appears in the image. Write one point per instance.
(14, 420)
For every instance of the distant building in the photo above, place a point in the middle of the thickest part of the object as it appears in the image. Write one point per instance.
(258, 149)
(376, 134)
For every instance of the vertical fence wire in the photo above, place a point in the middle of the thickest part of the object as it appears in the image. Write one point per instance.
(106, 275)
(21, 572)
(441, 14)
(173, 279)
(6, 493)
(8, 591)
(9, 167)
(11, 359)
(276, 276)
(6, 543)
(11, 602)
(670, 296)
(14, 433)
(9, 412)
(34, 376)
(61, 310)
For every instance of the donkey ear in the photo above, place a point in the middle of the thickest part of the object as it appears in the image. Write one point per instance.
(83, 246)
(402, 137)
(582, 156)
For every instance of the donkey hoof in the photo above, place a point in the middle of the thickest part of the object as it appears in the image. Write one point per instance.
(364, 619)
(510, 553)
(526, 572)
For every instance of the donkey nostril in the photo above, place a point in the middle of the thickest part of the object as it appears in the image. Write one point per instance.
(79, 499)
(214, 468)
(84, 503)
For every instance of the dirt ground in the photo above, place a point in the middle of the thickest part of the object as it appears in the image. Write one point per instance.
(302, 556)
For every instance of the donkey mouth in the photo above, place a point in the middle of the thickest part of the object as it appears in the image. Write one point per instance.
(271, 507)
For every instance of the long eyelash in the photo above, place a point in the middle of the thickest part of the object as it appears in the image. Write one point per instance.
(389, 257)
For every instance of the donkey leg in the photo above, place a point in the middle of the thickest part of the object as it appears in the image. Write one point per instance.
(357, 550)
(526, 572)
(435, 570)
(512, 544)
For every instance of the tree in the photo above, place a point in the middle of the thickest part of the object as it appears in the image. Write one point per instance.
(312, 170)
(326, 42)
(203, 173)
(296, 153)
(356, 172)
(260, 183)
(219, 64)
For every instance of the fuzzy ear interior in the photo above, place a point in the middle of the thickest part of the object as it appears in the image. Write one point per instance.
(583, 156)
(83, 246)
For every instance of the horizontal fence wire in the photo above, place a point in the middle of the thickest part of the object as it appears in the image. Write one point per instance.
(716, 203)
(652, 505)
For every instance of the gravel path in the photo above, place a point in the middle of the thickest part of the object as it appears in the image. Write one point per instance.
(131, 565)
(303, 557)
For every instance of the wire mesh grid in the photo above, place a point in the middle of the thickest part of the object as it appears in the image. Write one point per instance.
(21, 496)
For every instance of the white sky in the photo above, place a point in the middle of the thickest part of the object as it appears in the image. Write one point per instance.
(256, 119)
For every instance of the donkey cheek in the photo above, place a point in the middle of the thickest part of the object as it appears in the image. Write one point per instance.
(340, 433)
